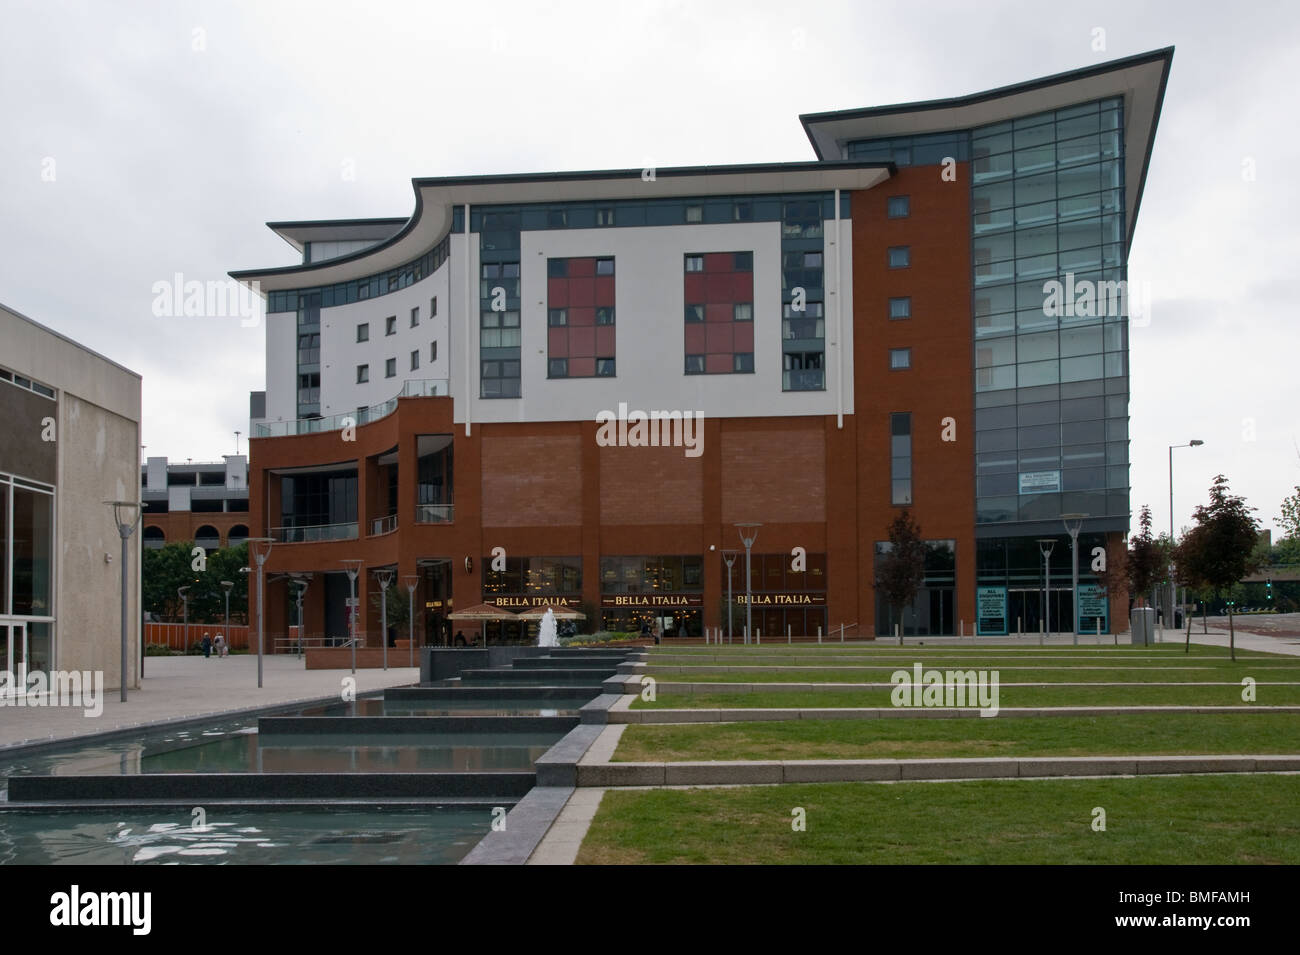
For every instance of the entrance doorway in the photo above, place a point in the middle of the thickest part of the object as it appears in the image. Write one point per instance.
(1026, 607)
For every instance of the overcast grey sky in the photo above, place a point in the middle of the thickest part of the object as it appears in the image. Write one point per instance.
(147, 139)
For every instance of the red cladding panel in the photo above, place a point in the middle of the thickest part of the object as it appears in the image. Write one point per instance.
(605, 290)
(695, 288)
(743, 336)
(718, 313)
(582, 342)
(718, 288)
(719, 364)
(695, 339)
(581, 316)
(582, 292)
(582, 367)
(557, 293)
(605, 340)
(557, 342)
(718, 262)
(742, 287)
(582, 267)
(718, 337)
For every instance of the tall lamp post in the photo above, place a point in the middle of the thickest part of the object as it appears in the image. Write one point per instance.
(748, 534)
(126, 514)
(301, 583)
(411, 581)
(1194, 443)
(260, 549)
(227, 586)
(729, 558)
(1045, 546)
(385, 578)
(184, 594)
(1072, 524)
(353, 567)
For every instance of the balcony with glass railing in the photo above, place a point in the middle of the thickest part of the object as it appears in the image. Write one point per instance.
(412, 388)
(383, 525)
(312, 533)
(435, 513)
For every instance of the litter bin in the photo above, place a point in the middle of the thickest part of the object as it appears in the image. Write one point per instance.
(1142, 625)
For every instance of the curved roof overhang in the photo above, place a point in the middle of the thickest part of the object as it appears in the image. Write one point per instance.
(1140, 80)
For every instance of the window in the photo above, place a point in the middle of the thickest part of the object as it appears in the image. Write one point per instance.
(604, 266)
(604, 217)
(556, 219)
(605, 316)
(415, 316)
(744, 362)
(694, 364)
(604, 368)
(695, 213)
(900, 455)
(743, 262)
(900, 257)
(558, 317)
(390, 368)
(694, 313)
(415, 360)
(900, 358)
(743, 212)
(390, 325)
(363, 374)
(743, 312)
(433, 351)
(694, 263)
(557, 268)
(900, 207)
(812, 260)
(363, 332)
(900, 307)
(558, 368)
(433, 306)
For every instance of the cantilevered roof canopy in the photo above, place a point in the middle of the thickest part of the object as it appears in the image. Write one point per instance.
(1140, 80)
(298, 234)
(436, 198)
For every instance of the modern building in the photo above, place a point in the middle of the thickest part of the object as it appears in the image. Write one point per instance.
(204, 502)
(70, 441)
(929, 316)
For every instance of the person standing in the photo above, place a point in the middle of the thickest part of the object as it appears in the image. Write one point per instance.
(207, 647)
(219, 645)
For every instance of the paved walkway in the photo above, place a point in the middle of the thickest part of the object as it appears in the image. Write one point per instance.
(177, 688)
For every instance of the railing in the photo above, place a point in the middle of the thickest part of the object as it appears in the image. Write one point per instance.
(316, 532)
(412, 388)
(434, 513)
(383, 525)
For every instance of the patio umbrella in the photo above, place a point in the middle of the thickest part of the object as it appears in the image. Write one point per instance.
(482, 612)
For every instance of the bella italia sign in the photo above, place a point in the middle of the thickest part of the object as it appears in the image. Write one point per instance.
(785, 600)
(534, 600)
(653, 600)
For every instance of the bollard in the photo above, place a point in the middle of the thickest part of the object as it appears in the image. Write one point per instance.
(841, 632)
(1042, 624)
(819, 633)
(758, 637)
(1019, 631)
(789, 638)
(961, 632)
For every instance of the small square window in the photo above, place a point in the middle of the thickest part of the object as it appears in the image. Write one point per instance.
(604, 368)
(900, 358)
(900, 207)
(510, 270)
(744, 211)
(743, 262)
(604, 217)
(433, 306)
(558, 317)
(605, 316)
(415, 316)
(415, 360)
(694, 313)
(390, 368)
(744, 362)
(390, 325)
(557, 268)
(743, 312)
(363, 374)
(694, 263)
(604, 266)
(694, 364)
(363, 332)
(900, 257)
(433, 351)
(812, 260)
(558, 368)
(900, 307)
(556, 219)
(491, 270)
(695, 213)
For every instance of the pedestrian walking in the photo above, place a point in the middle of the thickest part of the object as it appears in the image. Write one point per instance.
(207, 647)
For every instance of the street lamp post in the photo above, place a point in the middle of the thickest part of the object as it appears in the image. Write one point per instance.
(1045, 546)
(353, 566)
(126, 514)
(1194, 443)
(411, 581)
(385, 578)
(748, 541)
(184, 594)
(302, 584)
(260, 548)
(729, 558)
(1073, 522)
(227, 586)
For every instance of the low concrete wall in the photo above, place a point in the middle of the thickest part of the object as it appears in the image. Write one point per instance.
(340, 658)
(443, 663)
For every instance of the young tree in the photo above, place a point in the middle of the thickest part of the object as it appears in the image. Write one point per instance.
(1112, 577)
(900, 571)
(1225, 545)
(1187, 563)
(1145, 562)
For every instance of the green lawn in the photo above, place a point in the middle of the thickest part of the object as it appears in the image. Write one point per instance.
(1128, 652)
(1152, 695)
(1180, 820)
(1008, 672)
(1167, 735)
